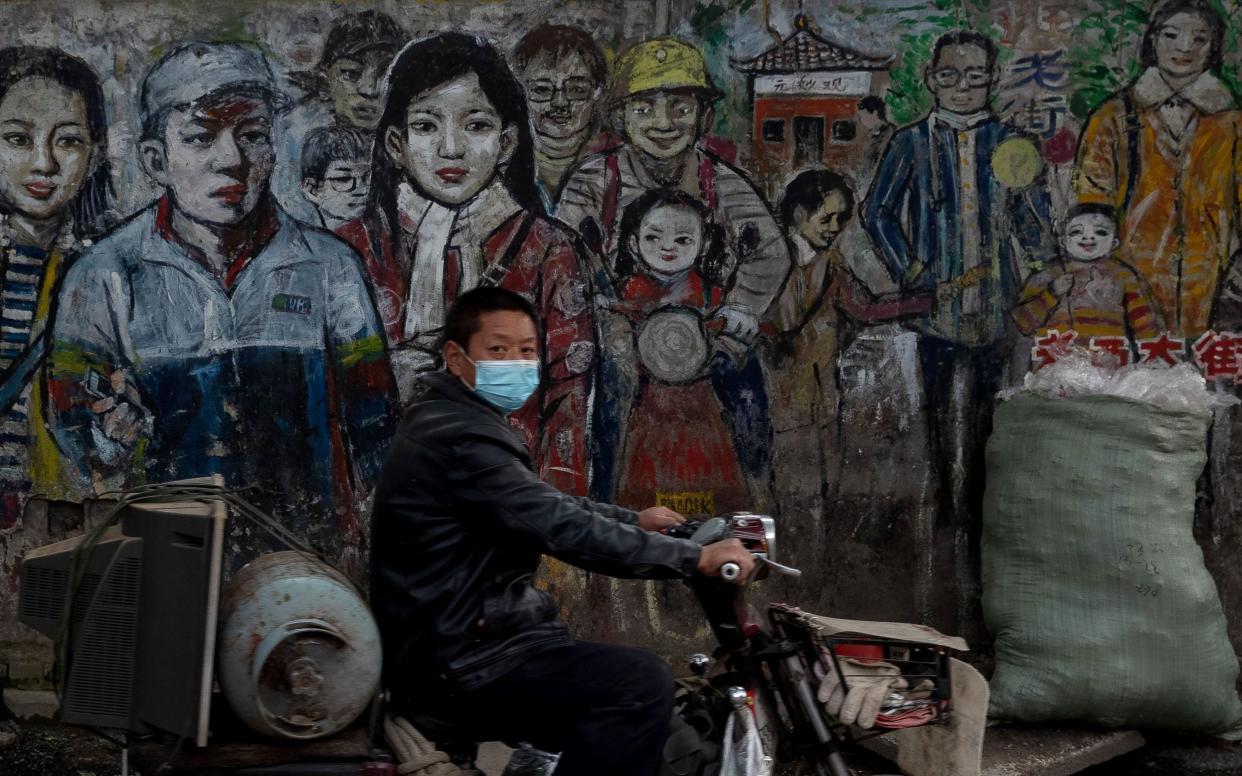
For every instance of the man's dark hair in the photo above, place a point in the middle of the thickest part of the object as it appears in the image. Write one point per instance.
(331, 144)
(873, 104)
(358, 32)
(465, 316)
(964, 38)
(1091, 208)
(1204, 10)
(558, 41)
(808, 191)
(353, 35)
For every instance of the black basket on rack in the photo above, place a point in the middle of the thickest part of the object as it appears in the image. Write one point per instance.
(854, 649)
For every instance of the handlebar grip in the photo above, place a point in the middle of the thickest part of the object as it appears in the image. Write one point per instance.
(730, 571)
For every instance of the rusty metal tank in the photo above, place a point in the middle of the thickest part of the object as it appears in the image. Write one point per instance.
(298, 650)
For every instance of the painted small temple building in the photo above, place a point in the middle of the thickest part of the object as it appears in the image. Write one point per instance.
(806, 92)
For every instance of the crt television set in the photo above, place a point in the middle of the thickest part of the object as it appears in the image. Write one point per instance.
(141, 644)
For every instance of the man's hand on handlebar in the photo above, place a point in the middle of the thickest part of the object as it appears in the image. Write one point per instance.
(658, 518)
(715, 556)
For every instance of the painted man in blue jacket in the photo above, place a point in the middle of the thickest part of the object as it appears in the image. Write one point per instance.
(952, 195)
(212, 333)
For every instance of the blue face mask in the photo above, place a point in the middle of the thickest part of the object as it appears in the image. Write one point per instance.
(506, 385)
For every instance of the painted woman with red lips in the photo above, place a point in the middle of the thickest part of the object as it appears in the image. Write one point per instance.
(454, 205)
(55, 193)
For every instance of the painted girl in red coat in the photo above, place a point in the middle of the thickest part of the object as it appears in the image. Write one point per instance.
(453, 205)
(676, 449)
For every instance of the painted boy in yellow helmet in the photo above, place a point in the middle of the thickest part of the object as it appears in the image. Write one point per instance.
(661, 102)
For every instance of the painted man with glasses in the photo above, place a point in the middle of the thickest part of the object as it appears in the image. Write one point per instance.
(957, 210)
(563, 72)
(336, 173)
(342, 90)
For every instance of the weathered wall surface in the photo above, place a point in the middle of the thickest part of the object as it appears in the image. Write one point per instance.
(822, 348)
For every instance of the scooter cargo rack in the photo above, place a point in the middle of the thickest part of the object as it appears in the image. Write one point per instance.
(921, 655)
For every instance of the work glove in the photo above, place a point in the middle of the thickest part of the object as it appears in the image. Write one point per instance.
(869, 683)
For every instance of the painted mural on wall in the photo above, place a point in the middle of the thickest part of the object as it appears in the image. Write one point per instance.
(785, 256)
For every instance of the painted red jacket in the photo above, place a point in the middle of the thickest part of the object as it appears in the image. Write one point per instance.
(535, 257)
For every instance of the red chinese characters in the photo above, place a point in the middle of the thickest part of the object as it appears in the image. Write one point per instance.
(1217, 354)
(1051, 348)
(1110, 351)
(1162, 350)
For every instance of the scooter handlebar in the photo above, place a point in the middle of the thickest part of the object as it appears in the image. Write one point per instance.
(730, 571)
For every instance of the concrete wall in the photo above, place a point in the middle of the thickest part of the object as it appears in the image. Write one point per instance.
(858, 412)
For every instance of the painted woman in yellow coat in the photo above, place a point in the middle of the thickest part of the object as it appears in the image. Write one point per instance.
(1166, 152)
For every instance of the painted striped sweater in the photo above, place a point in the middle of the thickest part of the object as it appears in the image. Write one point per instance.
(1106, 298)
(22, 279)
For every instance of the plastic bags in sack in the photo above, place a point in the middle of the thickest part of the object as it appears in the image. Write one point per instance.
(744, 756)
(1093, 584)
(1176, 388)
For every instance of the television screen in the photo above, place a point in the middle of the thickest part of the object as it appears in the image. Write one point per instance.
(141, 635)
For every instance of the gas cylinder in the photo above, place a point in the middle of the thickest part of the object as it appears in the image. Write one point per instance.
(298, 652)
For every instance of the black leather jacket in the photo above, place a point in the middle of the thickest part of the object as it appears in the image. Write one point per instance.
(458, 527)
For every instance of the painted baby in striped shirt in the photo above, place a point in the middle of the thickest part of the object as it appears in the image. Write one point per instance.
(1091, 292)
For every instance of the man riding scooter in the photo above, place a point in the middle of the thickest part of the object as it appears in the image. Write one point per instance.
(459, 524)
